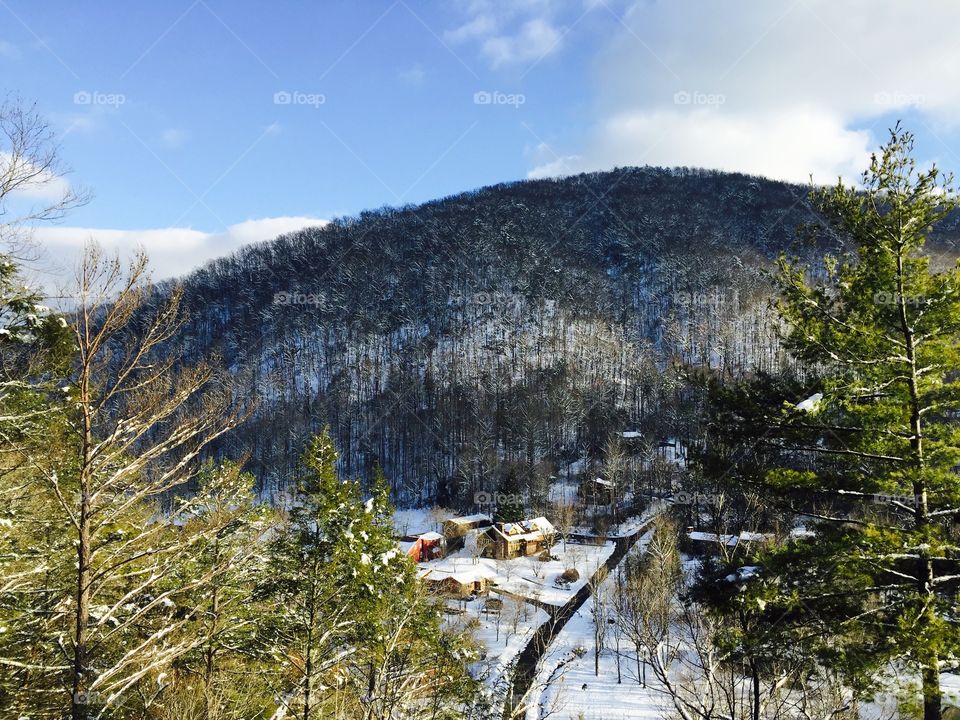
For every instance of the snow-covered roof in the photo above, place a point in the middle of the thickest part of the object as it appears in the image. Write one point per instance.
(601, 481)
(811, 403)
(744, 573)
(462, 570)
(430, 536)
(728, 540)
(468, 519)
(630, 434)
(747, 536)
(526, 529)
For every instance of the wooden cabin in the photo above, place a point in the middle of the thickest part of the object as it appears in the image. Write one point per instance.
(457, 528)
(461, 582)
(597, 491)
(521, 539)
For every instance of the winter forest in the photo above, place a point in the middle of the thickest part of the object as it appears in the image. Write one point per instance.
(639, 443)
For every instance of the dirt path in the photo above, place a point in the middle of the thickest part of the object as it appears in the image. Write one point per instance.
(525, 670)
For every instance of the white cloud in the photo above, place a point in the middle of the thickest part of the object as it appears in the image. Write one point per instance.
(172, 251)
(479, 26)
(783, 90)
(173, 138)
(46, 187)
(510, 32)
(790, 145)
(414, 75)
(9, 50)
(537, 38)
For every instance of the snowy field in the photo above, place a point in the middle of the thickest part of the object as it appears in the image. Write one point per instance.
(567, 689)
(502, 634)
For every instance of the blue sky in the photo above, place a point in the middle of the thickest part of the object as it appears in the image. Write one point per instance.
(203, 124)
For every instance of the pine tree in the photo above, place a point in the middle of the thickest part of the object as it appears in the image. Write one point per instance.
(229, 528)
(351, 628)
(35, 352)
(319, 578)
(510, 507)
(872, 464)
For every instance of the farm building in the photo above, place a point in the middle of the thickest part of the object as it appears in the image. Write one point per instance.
(705, 543)
(509, 540)
(597, 491)
(456, 529)
(459, 580)
(424, 547)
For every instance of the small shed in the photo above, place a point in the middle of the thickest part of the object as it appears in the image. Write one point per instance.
(433, 546)
(461, 582)
(456, 529)
(425, 546)
(597, 491)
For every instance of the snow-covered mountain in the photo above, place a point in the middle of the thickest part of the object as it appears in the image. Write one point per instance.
(519, 323)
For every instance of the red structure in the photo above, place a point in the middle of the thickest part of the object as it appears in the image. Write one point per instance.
(424, 547)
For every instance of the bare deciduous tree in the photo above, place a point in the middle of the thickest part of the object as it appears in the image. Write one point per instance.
(139, 430)
(30, 171)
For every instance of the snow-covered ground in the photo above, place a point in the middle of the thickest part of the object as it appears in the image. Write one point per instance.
(530, 577)
(629, 526)
(420, 520)
(566, 688)
(502, 634)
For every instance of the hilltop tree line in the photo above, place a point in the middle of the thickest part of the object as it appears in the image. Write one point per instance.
(520, 324)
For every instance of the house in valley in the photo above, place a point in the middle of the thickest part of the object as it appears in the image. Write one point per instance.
(597, 491)
(458, 579)
(457, 528)
(424, 547)
(504, 541)
(706, 543)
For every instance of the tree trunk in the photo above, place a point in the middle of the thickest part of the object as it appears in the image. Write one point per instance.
(308, 662)
(210, 665)
(930, 665)
(79, 701)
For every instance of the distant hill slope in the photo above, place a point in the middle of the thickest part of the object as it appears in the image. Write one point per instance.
(519, 324)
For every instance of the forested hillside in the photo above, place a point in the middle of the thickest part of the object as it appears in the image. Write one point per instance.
(514, 326)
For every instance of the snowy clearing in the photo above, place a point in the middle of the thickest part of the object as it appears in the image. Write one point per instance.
(529, 577)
